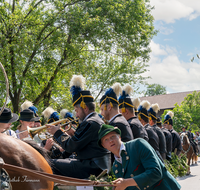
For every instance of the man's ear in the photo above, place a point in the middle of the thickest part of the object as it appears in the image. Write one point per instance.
(86, 109)
(109, 107)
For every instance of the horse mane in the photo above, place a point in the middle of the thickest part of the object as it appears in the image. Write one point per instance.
(187, 139)
(41, 150)
(185, 135)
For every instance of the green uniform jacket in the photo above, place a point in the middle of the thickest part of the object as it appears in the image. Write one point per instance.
(141, 163)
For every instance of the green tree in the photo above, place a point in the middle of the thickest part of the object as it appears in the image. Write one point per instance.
(155, 89)
(187, 114)
(43, 43)
(191, 105)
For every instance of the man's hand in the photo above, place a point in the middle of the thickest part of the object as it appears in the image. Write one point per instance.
(52, 128)
(121, 183)
(49, 144)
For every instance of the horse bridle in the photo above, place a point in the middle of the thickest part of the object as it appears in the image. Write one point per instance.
(186, 151)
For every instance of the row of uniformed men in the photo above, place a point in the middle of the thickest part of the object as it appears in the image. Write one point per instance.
(119, 112)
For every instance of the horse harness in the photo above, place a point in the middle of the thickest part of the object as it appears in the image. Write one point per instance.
(69, 181)
(186, 151)
(4, 178)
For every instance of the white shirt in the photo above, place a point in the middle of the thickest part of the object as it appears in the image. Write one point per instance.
(11, 133)
(88, 116)
(122, 147)
(114, 117)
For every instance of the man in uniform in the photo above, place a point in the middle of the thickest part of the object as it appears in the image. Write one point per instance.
(136, 165)
(54, 150)
(126, 108)
(168, 139)
(168, 124)
(89, 158)
(144, 119)
(29, 105)
(153, 110)
(136, 104)
(109, 107)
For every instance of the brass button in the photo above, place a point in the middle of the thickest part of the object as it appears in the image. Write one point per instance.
(116, 171)
(116, 165)
(127, 157)
(132, 175)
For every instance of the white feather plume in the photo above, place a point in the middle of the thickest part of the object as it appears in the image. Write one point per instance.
(155, 107)
(128, 89)
(78, 81)
(145, 104)
(170, 113)
(26, 105)
(117, 88)
(136, 103)
(63, 112)
(47, 112)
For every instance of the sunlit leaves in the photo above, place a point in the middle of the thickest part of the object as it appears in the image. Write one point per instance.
(43, 43)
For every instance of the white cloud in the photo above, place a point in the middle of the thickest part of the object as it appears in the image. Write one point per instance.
(171, 10)
(165, 30)
(171, 72)
(157, 49)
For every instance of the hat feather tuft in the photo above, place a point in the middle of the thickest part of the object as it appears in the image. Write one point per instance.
(47, 112)
(136, 103)
(78, 81)
(170, 113)
(77, 84)
(155, 107)
(145, 104)
(63, 113)
(26, 105)
(117, 88)
(128, 89)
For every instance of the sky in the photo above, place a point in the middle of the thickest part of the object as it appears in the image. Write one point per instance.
(177, 41)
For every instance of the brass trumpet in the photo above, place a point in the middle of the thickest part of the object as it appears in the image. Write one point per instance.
(37, 130)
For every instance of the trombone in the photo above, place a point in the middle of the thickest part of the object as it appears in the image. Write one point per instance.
(37, 130)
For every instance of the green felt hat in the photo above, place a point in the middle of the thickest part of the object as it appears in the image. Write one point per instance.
(104, 130)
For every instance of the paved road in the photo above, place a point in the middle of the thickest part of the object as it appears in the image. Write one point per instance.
(192, 181)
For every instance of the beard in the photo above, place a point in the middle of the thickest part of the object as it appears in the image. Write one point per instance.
(82, 117)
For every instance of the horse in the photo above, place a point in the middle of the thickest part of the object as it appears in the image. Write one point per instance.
(18, 153)
(187, 149)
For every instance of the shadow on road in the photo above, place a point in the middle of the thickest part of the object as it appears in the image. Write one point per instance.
(185, 177)
(192, 165)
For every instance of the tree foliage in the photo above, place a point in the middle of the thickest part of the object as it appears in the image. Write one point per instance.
(155, 89)
(187, 114)
(43, 43)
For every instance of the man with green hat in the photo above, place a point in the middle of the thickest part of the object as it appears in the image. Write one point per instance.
(136, 164)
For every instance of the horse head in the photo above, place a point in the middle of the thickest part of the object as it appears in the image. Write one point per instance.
(184, 139)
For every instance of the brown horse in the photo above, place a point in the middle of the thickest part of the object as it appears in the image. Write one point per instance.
(187, 149)
(18, 153)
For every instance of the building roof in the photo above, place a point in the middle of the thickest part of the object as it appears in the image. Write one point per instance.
(166, 101)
